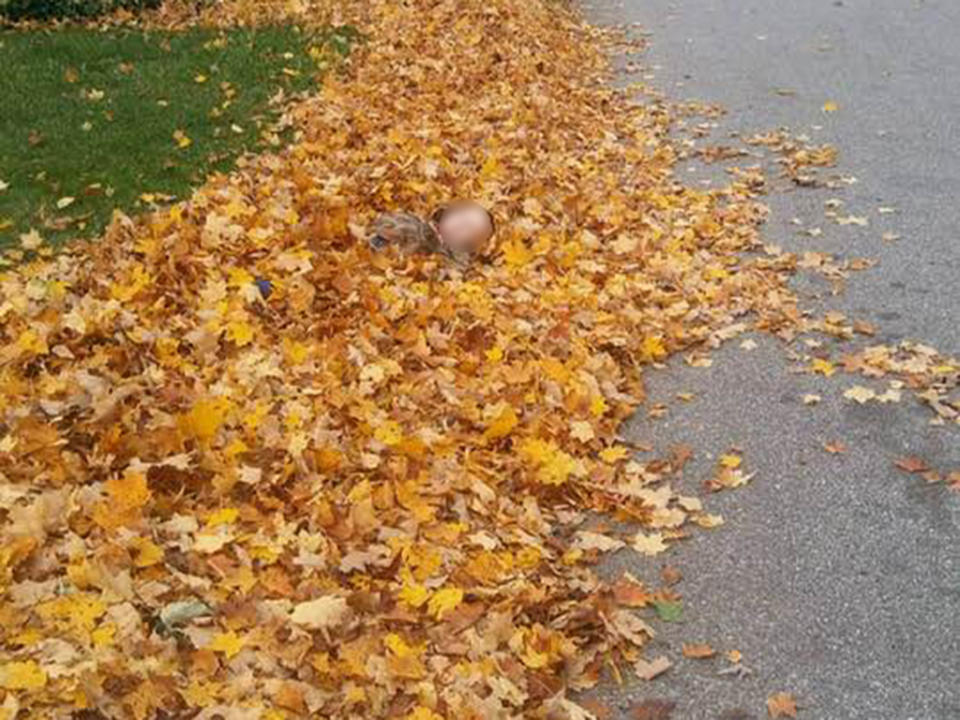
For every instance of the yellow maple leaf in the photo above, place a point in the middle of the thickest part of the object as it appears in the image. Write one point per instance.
(490, 168)
(554, 466)
(180, 137)
(104, 635)
(598, 406)
(612, 454)
(389, 433)
(443, 601)
(731, 461)
(516, 253)
(78, 610)
(33, 342)
(223, 516)
(236, 447)
(239, 278)
(295, 352)
(201, 694)
(139, 279)
(824, 367)
(25, 675)
(228, 643)
(399, 647)
(413, 595)
(653, 348)
(206, 417)
(147, 552)
(494, 354)
(534, 659)
(502, 425)
(421, 712)
(240, 332)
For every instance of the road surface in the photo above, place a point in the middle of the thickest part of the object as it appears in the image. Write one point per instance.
(836, 576)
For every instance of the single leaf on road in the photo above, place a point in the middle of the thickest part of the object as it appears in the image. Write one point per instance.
(911, 464)
(649, 669)
(699, 651)
(653, 709)
(669, 610)
(782, 704)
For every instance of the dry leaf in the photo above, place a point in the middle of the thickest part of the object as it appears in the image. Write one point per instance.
(911, 464)
(648, 670)
(652, 544)
(670, 575)
(860, 394)
(325, 612)
(698, 651)
(653, 709)
(586, 540)
(781, 704)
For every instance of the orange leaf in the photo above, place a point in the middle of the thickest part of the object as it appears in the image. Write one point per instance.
(699, 651)
(911, 464)
(782, 704)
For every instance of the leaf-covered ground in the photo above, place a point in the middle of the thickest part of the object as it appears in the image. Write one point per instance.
(378, 489)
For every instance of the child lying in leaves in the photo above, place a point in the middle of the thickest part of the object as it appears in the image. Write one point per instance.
(458, 231)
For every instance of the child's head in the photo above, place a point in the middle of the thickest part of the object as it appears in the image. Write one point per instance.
(464, 226)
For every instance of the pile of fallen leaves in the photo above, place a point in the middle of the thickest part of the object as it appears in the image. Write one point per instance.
(251, 468)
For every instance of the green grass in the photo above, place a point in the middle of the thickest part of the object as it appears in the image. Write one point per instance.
(96, 115)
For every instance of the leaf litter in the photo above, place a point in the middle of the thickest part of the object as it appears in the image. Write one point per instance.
(367, 491)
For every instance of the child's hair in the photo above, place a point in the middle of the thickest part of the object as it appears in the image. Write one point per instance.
(438, 214)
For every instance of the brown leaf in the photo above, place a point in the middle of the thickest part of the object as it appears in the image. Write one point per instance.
(600, 710)
(463, 616)
(670, 575)
(835, 447)
(699, 651)
(953, 480)
(653, 709)
(781, 704)
(679, 455)
(648, 670)
(630, 593)
(911, 464)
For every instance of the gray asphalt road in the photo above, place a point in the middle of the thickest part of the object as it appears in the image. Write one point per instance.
(836, 576)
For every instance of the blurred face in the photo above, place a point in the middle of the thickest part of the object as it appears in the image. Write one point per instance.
(466, 228)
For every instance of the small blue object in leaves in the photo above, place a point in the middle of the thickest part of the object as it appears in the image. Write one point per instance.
(265, 287)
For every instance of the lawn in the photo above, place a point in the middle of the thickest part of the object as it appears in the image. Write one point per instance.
(91, 120)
